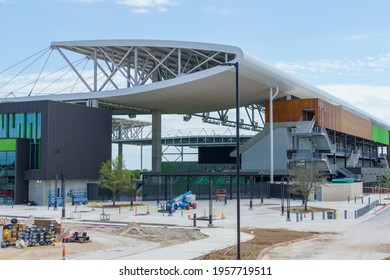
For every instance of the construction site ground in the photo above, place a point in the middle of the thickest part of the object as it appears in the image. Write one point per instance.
(143, 233)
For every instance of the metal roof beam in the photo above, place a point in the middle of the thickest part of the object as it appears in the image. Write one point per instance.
(117, 66)
(74, 69)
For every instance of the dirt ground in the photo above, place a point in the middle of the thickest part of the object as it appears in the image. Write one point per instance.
(114, 242)
(107, 242)
(264, 238)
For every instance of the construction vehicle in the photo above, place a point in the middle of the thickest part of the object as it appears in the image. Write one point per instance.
(184, 201)
(79, 197)
(220, 194)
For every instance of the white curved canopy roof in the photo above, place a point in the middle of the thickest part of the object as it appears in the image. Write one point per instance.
(176, 77)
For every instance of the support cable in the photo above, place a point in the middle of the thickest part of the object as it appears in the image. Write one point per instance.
(59, 78)
(82, 70)
(45, 49)
(79, 82)
(43, 77)
(40, 73)
(23, 70)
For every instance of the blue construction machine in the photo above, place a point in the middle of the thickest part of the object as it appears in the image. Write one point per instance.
(184, 201)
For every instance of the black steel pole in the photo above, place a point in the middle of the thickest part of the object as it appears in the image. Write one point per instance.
(237, 155)
(158, 189)
(251, 200)
(288, 202)
(55, 193)
(131, 192)
(210, 202)
(282, 195)
(238, 162)
(63, 195)
(170, 196)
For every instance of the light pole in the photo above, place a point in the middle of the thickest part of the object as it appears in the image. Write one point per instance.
(63, 196)
(237, 156)
(282, 195)
(288, 201)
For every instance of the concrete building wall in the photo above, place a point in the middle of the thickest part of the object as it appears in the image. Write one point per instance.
(339, 192)
(257, 157)
(369, 174)
(39, 190)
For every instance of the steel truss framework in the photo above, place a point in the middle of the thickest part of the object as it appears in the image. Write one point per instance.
(134, 132)
(127, 129)
(105, 68)
(254, 113)
(139, 65)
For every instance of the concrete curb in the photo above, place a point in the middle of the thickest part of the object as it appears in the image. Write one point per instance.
(381, 209)
(262, 254)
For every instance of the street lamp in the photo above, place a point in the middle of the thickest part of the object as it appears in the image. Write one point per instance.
(237, 156)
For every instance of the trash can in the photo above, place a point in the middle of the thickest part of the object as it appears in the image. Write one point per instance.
(330, 215)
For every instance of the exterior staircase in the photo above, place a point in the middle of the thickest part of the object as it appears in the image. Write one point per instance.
(308, 155)
(304, 127)
(322, 144)
(347, 173)
(354, 158)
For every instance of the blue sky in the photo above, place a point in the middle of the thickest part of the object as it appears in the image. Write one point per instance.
(323, 41)
(320, 41)
(342, 46)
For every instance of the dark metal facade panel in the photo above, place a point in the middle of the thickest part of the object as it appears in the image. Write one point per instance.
(79, 140)
(75, 139)
(22, 156)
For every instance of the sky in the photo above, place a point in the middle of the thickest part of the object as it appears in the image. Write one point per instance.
(341, 46)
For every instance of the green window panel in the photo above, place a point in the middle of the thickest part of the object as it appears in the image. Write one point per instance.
(7, 145)
(22, 125)
(379, 134)
(12, 131)
(4, 126)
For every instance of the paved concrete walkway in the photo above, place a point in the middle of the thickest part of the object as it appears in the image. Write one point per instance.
(222, 234)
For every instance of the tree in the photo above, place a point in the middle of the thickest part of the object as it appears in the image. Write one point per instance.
(136, 174)
(304, 178)
(383, 180)
(114, 177)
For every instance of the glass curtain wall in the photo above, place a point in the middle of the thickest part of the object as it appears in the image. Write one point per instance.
(13, 126)
(7, 176)
(24, 125)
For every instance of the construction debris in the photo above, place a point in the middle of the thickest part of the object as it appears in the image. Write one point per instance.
(78, 237)
(39, 232)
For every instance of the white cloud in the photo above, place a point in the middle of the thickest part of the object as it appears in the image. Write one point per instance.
(356, 37)
(361, 37)
(366, 66)
(146, 6)
(140, 11)
(218, 11)
(85, 1)
(374, 100)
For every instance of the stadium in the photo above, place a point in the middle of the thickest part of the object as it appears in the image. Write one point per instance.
(49, 136)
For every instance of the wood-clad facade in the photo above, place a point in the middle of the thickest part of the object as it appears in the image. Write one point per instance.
(326, 115)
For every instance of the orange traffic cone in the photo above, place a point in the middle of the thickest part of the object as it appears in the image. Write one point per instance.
(63, 252)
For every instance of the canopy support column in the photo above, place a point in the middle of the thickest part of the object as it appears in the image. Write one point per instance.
(272, 95)
(156, 141)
